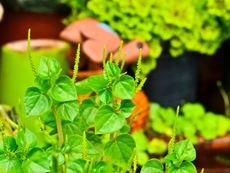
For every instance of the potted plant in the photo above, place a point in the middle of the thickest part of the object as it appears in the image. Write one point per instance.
(171, 30)
(208, 131)
(90, 135)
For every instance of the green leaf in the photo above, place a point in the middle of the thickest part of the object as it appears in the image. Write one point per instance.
(77, 166)
(37, 162)
(120, 150)
(88, 111)
(142, 157)
(97, 82)
(42, 84)
(185, 150)
(103, 167)
(124, 88)
(112, 70)
(185, 167)
(154, 166)
(108, 121)
(157, 146)
(67, 110)
(64, 90)
(49, 68)
(26, 138)
(36, 103)
(127, 107)
(141, 140)
(83, 87)
(105, 96)
(9, 143)
(10, 165)
(75, 143)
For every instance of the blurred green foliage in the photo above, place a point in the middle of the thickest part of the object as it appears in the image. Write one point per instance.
(175, 25)
(193, 122)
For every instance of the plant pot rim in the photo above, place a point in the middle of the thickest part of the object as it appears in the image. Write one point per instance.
(36, 44)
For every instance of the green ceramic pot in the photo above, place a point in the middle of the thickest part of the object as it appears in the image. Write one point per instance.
(15, 70)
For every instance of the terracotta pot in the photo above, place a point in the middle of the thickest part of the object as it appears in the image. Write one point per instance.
(220, 144)
(142, 106)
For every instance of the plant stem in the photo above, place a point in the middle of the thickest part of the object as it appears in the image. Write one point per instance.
(225, 98)
(59, 129)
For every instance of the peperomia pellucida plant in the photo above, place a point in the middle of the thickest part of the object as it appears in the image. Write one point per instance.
(89, 135)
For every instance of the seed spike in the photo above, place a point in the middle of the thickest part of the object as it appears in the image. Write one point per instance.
(104, 56)
(172, 140)
(139, 66)
(29, 53)
(76, 64)
(123, 61)
(118, 57)
(111, 57)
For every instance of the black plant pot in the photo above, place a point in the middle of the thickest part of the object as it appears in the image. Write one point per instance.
(225, 65)
(174, 81)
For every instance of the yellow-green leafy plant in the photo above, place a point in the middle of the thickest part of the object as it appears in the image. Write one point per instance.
(175, 26)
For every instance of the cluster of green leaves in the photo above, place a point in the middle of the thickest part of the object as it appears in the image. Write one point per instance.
(193, 123)
(178, 160)
(82, 135)
(89, 135)
(146, 147)
(191, 25)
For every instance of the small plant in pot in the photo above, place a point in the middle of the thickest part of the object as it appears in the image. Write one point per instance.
(89, 135)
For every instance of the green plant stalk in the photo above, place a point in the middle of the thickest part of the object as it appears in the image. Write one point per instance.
(138, 71)
(117, 58)
(59, 129)
(141, 84)
(84, 146)
(123, 62)
(76, 64)
(104, 56)
(135, 162)
(225, 98)
(29, 53)
(172, 140)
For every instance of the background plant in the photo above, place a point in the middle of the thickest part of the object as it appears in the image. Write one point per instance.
(194, 122)
(176, 26)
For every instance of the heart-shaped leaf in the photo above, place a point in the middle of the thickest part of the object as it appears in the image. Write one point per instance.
(49, 68)
(112, 70)
(76, 166)
(26, 138)
(185, 151)
(63, 90)
(83, 87)
(88, 111)
(67, 110)
(108, 121)
(120, 150)
(127, 107)
(105, 96)
(97, 82)
(185, 167)
(124, 88)
(37, 162)
(153, 165)
(36, 103)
